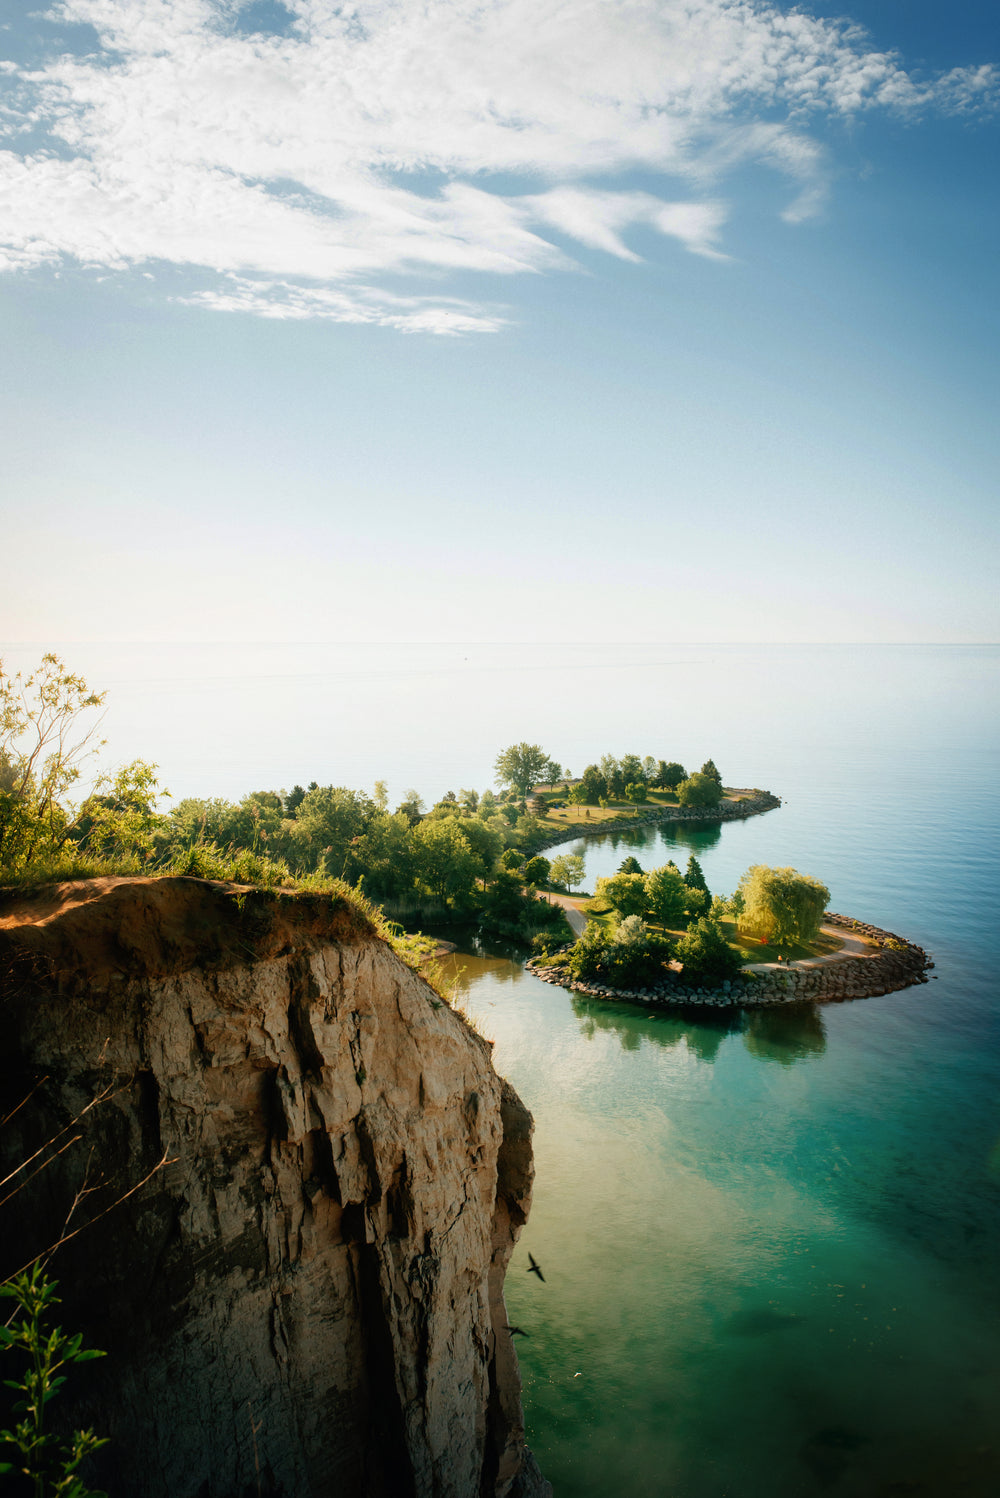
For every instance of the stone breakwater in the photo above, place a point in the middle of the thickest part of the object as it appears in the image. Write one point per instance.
(893, 964)
(750, 804)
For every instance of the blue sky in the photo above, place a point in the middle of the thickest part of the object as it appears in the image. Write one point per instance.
(641, 320)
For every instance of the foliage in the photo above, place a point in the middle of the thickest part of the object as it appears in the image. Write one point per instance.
(705, 953)
(667, 896)
(699, 790)
(593, 785)
(567, 870)
(630, 865)
(45, 741)
(630, 956)
(637, 792)
(708, 768)
(236, 865)
(669, 776)
(625, 893)
(521, 766)
(49, 1463)
(694, 876)
(122, 818)
(781, 906)
(536, 870)
(326, 824)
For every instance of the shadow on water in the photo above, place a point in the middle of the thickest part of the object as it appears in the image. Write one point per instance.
(792, 1033)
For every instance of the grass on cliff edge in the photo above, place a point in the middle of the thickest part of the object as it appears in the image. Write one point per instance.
(239, 867)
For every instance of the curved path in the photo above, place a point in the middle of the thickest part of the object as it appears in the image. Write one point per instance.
(571, 909)
(850, 946)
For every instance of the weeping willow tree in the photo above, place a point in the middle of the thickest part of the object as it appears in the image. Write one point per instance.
(781, 906)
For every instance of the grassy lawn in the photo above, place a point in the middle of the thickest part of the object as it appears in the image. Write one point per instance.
(757, 951)
(749, 949)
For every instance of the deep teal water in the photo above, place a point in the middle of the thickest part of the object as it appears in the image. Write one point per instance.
(770, 1247)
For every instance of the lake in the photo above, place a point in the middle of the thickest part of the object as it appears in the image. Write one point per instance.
(769, 1241)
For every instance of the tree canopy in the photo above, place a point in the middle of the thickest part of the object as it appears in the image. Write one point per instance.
(781, 905)
(521, 766)
(699, 790)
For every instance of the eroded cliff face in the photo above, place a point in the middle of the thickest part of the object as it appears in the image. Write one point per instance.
(307, 1299)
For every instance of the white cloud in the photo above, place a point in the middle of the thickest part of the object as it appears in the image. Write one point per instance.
(308, 169)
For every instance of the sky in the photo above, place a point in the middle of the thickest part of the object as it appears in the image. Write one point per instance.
(616, 320)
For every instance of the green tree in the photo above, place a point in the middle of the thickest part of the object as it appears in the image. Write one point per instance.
(384, 855)
(670, 775)
(412, 807)
(567, 870)
(637, 792)
(536, 870)
(381, 796)
(614, 780)
(445, 863)
(706, 955)
(593, 783)
(294, 800)
(694, 878)
(520, 766)
(486, 841)
(552, 772)
(699, 790)
(781, 905)
(667, 895)
(469, 800)
(630, 865)
(328, 821)
(121, 819)
(625, 893)
(708, 768)
(649, 770)
(630, 766)
(511, 859)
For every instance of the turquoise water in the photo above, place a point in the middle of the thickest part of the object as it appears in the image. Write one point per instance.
(769, 1245)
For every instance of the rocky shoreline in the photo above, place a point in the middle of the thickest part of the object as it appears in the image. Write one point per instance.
(893, 965)
(751, 804)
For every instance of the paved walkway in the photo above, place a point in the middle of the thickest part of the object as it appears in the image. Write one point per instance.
(574, 915)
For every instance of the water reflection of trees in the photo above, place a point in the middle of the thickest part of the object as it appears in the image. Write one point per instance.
(461, 971)
(792, 1033)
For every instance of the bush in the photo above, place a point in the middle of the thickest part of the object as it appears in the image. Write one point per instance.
(630, 957)
(705, 953)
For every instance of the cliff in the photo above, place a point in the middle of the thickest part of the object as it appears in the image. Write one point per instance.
(307, 1298)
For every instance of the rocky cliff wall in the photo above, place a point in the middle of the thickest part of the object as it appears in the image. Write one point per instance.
(307, 1299)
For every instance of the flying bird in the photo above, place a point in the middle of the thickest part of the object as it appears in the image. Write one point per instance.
(533, 1267)
(517, 1331)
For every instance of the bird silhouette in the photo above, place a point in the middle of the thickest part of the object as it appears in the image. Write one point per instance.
(517, 1331)
(533, 1267)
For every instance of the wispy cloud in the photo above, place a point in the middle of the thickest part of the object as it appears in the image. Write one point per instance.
(312, 164)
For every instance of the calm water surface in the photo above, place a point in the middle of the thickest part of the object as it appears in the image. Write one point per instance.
(769, 1244)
